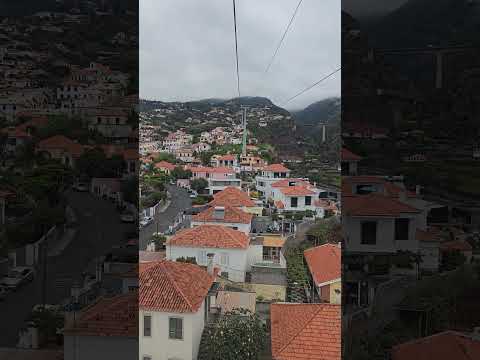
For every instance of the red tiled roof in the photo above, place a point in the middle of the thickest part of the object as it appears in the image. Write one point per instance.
(228, 157)
(231, 196)
(324, 262)
(296, 190)
(16, 132)
(149, 256)
(460, 245)
(426, 236)
(306, 331)
(210, 170)
(232, 215)
(210, 236)
(170, 286)
(164, 165)
(61, 142)
(375, 205)
(447, 345)
(275, 168)
(279, 204)
(116, 316)
(347, 155)
(286, 182)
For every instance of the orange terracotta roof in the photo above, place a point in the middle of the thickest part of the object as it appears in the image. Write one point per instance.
(286, 182)
(306, 331)
(279, 204)
(164, 165)
(273, 241)
(426, 236)
(61, 142)
(210, 236)
(231, 196)
(232, 215)
(16, 132)
(447, 345)
(324, 262)
(460, 245)
(228, 157)
(169, 286)
(116, 316)
(296, 190)
(210, 170)
(275, 168)
(326, 204)
(347, 155)
(149, 256)
(375, 205)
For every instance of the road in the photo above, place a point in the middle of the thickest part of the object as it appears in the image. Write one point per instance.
(99, 228)
(180, 201)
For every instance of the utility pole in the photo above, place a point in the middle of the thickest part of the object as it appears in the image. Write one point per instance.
(244, 124)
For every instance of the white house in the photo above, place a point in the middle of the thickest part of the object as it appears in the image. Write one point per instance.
(173, 304)
(109, 326)
(228, 246)
(219, 178)
(270, 174)
(228, 216)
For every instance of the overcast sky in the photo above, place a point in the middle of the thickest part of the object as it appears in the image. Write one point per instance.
(187, 49)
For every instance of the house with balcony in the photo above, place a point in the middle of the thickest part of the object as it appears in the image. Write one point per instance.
(174, 307)
(324, 264)
(185, 154)
(234, 197)
(218, 178)
(164, 167)
(60, 148)
(268, 175)
(228, 216)
(228, 246)
(228, 160)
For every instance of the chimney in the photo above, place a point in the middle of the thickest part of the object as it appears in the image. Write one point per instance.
(219, 212)
(402, 196)
(476, 333)
(210, 263)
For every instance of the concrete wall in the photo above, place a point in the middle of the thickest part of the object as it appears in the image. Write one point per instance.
(100, 347)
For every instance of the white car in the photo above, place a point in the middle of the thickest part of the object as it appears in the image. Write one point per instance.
(193, 194)
(146, 220)
(82, 187)
(127, 217)
(17, 277)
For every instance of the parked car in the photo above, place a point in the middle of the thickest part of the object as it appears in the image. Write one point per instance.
(17, 277)
(146, 220)
(127, 217)
(82, 187)
(193, 194)
(3, 292)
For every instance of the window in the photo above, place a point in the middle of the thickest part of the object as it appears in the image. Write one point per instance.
(224, 274)
(369, 232)
(147, 325)
(202, 257)
(175, 328)
(364, 189)
(401, 229)
(223, 259)
(308, 200)
(294, 202)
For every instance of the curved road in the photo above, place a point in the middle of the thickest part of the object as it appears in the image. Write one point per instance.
(99, 228)
(180, 201)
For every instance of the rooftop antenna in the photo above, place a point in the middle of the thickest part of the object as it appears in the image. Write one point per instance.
(244, 123)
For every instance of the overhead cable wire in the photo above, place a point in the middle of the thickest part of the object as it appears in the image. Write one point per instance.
(312, 86)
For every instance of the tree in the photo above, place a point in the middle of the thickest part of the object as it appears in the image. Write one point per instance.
(239, 334)
(199, 185)
(159, 241)
(181, 173)
(452, 260)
